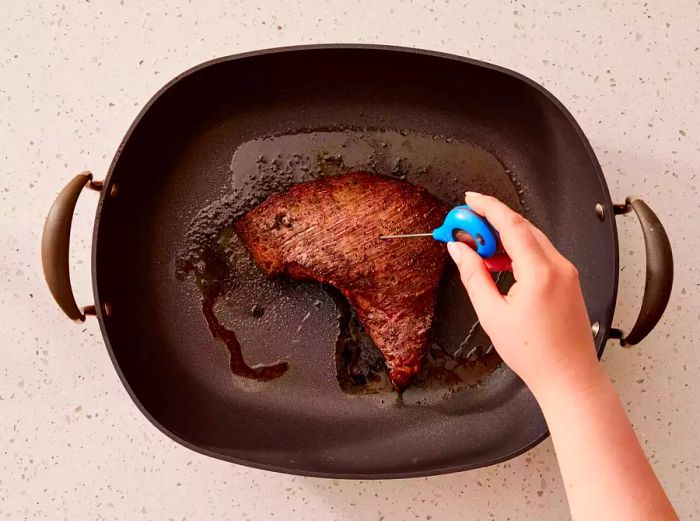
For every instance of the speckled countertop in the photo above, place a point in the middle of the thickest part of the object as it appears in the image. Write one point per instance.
(75, 74)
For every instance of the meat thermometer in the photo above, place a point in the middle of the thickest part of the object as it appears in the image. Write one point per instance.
(462, 224)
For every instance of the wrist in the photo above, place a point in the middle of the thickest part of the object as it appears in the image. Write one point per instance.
(581, 381)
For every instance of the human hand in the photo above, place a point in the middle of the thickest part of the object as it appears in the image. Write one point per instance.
(541, 330)
(541, 327)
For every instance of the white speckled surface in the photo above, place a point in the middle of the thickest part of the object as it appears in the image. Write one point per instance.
(75, 74)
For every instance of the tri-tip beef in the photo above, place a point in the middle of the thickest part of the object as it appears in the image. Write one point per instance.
(328, 230)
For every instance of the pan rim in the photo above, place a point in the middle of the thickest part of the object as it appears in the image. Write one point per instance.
(606, 322)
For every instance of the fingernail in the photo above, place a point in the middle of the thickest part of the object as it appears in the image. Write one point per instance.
(471, 194)
(455, 251)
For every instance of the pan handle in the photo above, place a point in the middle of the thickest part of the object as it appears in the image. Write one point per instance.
(659, 278)
(55, 242)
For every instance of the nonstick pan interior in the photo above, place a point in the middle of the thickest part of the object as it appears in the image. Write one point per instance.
(177, 160)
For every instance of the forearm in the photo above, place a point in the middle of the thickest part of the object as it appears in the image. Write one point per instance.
(604, 468)
(605, 471)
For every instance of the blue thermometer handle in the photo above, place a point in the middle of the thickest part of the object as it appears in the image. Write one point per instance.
(464, 219)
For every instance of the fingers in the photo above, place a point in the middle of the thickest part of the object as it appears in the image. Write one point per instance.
(476, 278)
(515, 231)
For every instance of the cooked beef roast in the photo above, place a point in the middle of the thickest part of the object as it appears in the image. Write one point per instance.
(328, 230)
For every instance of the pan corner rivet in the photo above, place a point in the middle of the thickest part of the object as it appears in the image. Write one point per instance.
(114, 190)
(595, 328)
(107, 308)
(600, 211)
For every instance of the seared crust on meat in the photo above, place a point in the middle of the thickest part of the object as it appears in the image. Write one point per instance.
(328, 230)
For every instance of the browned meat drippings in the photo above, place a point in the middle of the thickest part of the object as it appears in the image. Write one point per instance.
(328, 230)
(228, 337)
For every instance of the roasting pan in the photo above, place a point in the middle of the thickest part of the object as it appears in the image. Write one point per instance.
(227, 131)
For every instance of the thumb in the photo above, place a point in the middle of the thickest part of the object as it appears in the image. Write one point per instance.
(476, 278)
